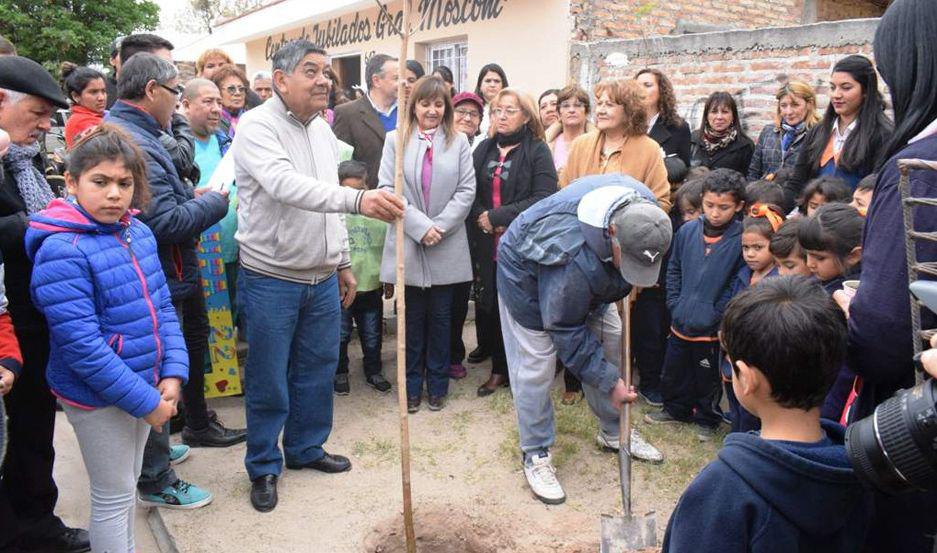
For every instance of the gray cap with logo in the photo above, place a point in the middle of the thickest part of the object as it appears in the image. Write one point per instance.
(644, 233)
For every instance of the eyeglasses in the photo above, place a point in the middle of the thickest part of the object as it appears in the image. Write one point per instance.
(510, 112)
(177, 91)
(469, 114)
(572, 105)
(232, 89)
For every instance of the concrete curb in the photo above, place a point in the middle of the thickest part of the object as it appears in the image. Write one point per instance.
(164, 540)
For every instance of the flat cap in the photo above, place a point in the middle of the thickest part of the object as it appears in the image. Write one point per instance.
(24, 75)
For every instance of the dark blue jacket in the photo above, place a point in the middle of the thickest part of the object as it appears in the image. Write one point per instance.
(175, 216)
(880, 348)
(765, 496)
(699, 285)
(114, 332)
(553, 273)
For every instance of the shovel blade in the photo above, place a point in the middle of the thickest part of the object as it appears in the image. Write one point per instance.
(620, 534)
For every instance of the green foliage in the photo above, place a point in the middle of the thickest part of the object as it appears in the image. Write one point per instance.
(80, 31)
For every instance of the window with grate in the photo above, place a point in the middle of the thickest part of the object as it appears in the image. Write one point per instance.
(453, 55)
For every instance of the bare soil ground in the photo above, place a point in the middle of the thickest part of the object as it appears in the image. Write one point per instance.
(468, 487)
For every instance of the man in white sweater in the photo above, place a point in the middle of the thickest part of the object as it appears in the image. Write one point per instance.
(295, 268)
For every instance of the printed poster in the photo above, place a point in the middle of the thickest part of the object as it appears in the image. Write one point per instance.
(222, 377)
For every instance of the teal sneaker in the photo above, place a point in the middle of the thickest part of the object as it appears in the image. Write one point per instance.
(180, 495)
(178, 453)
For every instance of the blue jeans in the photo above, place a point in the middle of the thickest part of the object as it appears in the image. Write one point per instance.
(366, 312)
(293, 335)
(429, 318)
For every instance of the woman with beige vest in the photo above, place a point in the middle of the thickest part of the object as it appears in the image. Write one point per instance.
(620, 143)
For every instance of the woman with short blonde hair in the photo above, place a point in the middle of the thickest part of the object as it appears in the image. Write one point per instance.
(572, 107)
(780, 143)
(525, 103)
(620, 144)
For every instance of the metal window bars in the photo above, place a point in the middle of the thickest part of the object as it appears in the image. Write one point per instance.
(916, 268)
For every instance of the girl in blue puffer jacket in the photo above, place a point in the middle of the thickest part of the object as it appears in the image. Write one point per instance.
(117, 356)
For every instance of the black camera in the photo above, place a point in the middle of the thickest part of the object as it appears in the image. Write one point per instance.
(895, 449)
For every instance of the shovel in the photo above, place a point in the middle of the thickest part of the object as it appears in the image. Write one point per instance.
(628, 532)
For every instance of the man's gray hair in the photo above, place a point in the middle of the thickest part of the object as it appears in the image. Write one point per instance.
(287, 58)
(194, 87)
(140, 69)
(263, 75)
(12, 97)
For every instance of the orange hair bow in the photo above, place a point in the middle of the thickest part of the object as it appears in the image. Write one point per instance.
(768, 212)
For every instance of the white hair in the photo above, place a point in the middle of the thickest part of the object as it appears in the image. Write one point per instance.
(265, 75)
(12, 96)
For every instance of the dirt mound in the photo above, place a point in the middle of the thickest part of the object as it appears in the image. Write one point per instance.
(441, 529)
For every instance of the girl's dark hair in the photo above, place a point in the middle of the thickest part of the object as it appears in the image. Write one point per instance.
(834, 228)
(416, 67)
(868, 182)
(667, 100)
(762, 225)
(107, 142)
(833, 189)
(785, 242)
(722, 98)
(546, 93)
(690, 192)
(764, 192)
(76, 78)
(444, 73)
(862, 150)
(909, 69)
(490, 68)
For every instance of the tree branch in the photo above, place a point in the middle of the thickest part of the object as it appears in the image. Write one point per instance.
(390, 19)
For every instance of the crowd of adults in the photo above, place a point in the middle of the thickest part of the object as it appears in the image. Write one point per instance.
(306, 262)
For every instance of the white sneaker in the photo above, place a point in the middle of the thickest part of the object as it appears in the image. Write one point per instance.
(541, 477)
(640, 449)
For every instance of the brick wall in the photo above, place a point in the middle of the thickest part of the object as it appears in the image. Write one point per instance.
(833, 10)
(595, 20)
(601, 19)
(751, 65)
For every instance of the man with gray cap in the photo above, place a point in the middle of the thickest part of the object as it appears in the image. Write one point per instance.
(28, 97)
(561, 265)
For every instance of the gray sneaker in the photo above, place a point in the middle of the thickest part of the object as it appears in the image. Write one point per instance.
(660, 417)
(640, 448)
(705, 433)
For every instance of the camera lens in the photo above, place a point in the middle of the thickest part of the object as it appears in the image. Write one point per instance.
(896, 448)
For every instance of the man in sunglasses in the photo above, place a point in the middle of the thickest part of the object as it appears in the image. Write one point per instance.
(148, 89)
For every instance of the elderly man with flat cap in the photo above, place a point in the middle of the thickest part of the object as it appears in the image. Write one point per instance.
(561, 265)
(28, 97)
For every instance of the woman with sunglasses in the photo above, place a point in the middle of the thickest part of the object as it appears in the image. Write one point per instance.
(233, 84)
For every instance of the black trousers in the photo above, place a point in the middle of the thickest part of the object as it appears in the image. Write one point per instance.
(27, 491)
(649, 337)
(156, 472)
(488, 323)
(691, 385)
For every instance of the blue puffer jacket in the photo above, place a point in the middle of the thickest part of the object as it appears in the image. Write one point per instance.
(114, 332)
(554, 271)
(699, 285)
(175, 215)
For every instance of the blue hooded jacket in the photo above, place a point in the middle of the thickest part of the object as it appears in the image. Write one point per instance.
(554, 271)
(175, 215)
(698, 285)
(765, 496)
(113, 330)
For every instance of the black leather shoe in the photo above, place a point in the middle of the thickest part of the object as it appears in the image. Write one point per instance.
(477, 355)
(328, 463)
(71, 540)
(264, 493)
(213, 435)
(491, 386)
